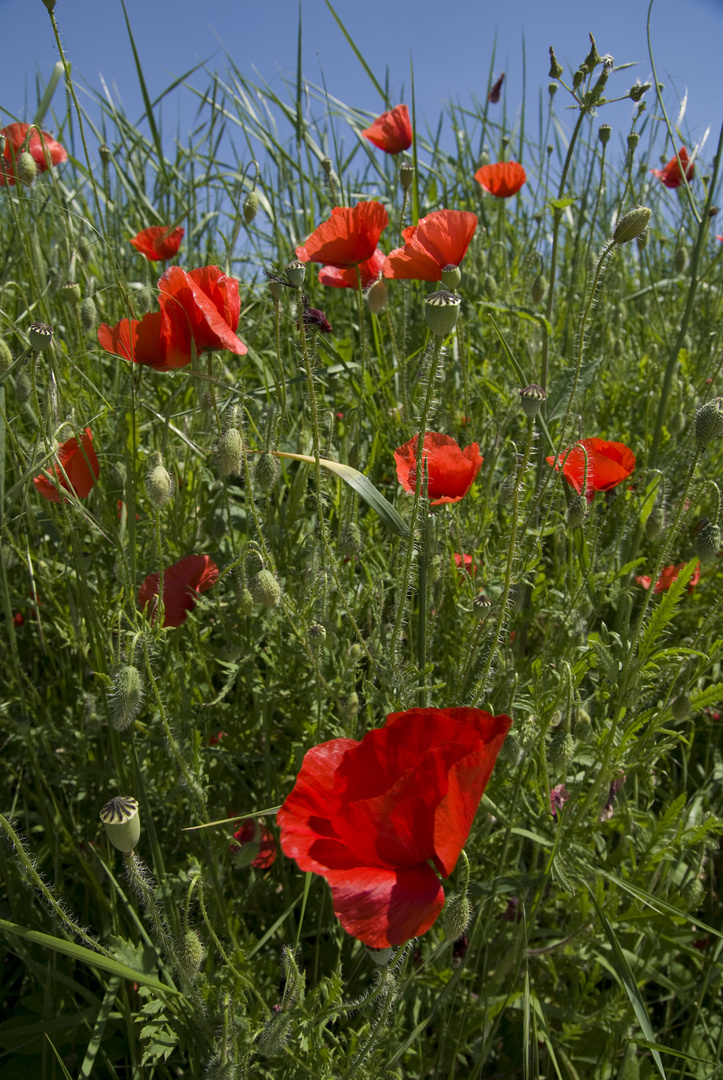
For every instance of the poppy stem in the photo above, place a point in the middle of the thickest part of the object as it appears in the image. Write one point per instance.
(422, 609)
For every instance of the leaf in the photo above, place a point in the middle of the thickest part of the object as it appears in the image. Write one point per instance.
(562, 204)
(666, 609)
(363, 487)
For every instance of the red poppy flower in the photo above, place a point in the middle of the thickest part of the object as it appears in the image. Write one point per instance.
(503, 179)
(608, 464)
(671, 175)
(158, 242)
(440, 239)
(465, 563)
(182, 582)
(79, 464)
(369, 816)
(18, 620)
(160, 340)
(450, 471)
(668, 576)
(39, 145)
(369, 271)
(349, 237)
(215, 740)
(254, 837)
(392, 131)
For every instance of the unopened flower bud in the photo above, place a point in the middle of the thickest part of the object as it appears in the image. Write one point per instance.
(655, 523)
(228, 452)
(676, 424)
(633, 140)
(122, 822)
(456, 915)
(275, 1034)
(377, 296)
(245, 603)
(6, 357)
(556, 69)
(88, 314)
(532, 398)
(126, 697)
(451, 277)
(266, 472)
(71, 293)
(577, 512)
(577, 78)
(604, 133)
(707, 543)
(406, 175)
(350, 707)
(84, 248)
(189, 954)
(561, 751)
(25, 168)
(680, 260)
(40, 336)
(265, 589)
(23, 387)
(251, 206)
(159, 486)
(350, 539)
(317, 636)
(582, 731)
(708, 423)
(632, 224)
(442, 311)
(593, 58)
(295, 272)
(680, 707)
(490, 286)
(692, 894)
(539, 288)
(507, 488)
(276, 289)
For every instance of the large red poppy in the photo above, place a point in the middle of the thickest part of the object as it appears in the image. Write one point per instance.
(450, 470)
(392, 131)
(608, 464)
(440, 239)
(668, 577)
(182, 583)
(369, 272)
(160, 340)
(671, 175)
(158, 242)
(79, 463)
(369, 816)
(349, 237)
(502, 179)
(39, 144)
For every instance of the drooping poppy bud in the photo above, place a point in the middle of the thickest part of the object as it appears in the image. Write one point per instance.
(539, 289)
(577, 511)
(228, 452)
(655, 523)
(266, 472)
(561, 751)
(265, 589)
(632, 224)
(88, 314)
(251, 206)
(159, 486)
(708, 423)
(707, 543)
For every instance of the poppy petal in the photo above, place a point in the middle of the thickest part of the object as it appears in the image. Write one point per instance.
(79, 463)
(350, 236)
(386, 907)
(501, 179)
(440, 239)
(158, 242)
(182, 292)
(181, 584)
(392, 131)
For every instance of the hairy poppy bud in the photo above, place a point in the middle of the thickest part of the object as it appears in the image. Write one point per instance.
(122, 822)
(276, 289)
(228, 452)
(680, 260)
(655, 523)
(451, 277)
(159, 486)
(490, 286)
(126, 697)
(511, 749)
(251, 206)
(556, 69)
(23, 388)
(561, 750)
(26, 168)
(6, 357)
(692, 894)
(442, 311)
(245, 603)
(377, 297)
(88, 314)
(295, 272)
(676, 424)
(707, 543)
(350, 707)
(40, 336)
(604, 133)
(632, 224)
(266, 472)
(582, 731)
(317, 636)
(265, 589)
(456, 914)
(406, 175)
(275, 1034)
(507, 488)
(680, 707)
(71, 293)
(350, 539)
(190, 953)
(539, 288)
(577, 512)
(532, 399)
(708, 423)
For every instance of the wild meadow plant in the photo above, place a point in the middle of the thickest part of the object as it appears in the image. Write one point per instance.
(361, 588)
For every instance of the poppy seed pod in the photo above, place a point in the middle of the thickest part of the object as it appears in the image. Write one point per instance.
(276, 289)
(40, 336)
(707, 543)
(381, 957)
(122, 822)
(228, 452)
(604, 133)
(442, 311)
(406, 175)
(295, 272)
(265, 589)
(632, 224)
(633, 140)
(159, 486)
(251, 206)
(377, 297)
(266, 472)
(708, 423)
(317, 636)
(451, 277)
(126, 697)
(26, 168)
(532, 399)
(71, 293)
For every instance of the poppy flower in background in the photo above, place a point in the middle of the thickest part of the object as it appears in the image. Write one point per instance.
(494, 95)
(80, 465)
(369, 271)
(440, 239)
(450, 470)
(158, 242)
(317, 320)
(255, 839)
(465, 563)
(215, 740)
(608, 464)
(349, 237)
(369, 816)
(671, 174)
(160, 340)
(39, 144)
(392, 131)
(668, 577)
(182, 583)
(502, 179)
(558, 797)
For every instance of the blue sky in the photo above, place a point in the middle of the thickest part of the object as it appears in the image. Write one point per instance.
(452, 45)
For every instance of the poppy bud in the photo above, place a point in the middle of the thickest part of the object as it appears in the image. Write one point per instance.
(451, 276)
(490, 286)
(539, 288)
(680, 260)
(632, 224)
(295, 272)
(680, 707)
(245, 603)
(275, 1034)
(326, 165)
(707, 543)
(532, 399)
(265, 589)
(676, 424)
(406, 175)
(350, 539)
(604, 133)
(692, 894)
(6, 357)
(350, 707)
(442, 311)
(317, 636)
(104, 152)
(633, 140)
(511, 749)
(456, 914)
(26, 168)
(556, 69)
(88, 314)
(126, 697)
(228, 452)
(642, 241)
(582, 731)
(122, 822)
(251, 206)
(266, 472)
(655, 523)
(377, 297)
(708, 423)
(189, 954)
(276, 289)
(159, 486)
(561, 750)
(40, 335)
(577, 512)
(71, 293)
